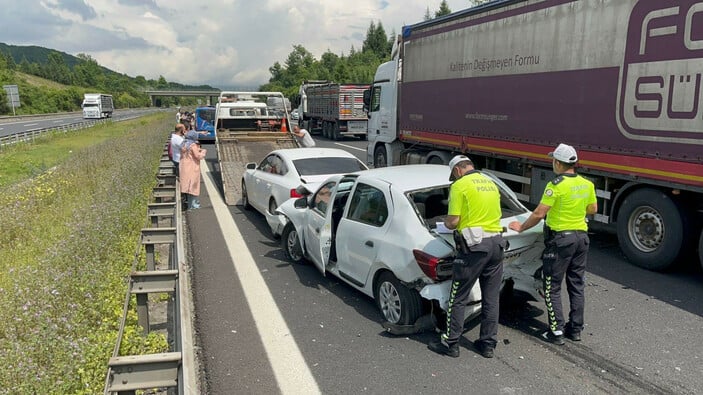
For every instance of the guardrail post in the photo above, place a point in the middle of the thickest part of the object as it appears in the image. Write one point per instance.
(155, 211)
(166, 179)
(166, 167)
(144, 283)
(153, 236)
(135, 372)
(162, 193)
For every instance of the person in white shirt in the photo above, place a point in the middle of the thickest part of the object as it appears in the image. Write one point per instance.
(303, 137)
(176, 142)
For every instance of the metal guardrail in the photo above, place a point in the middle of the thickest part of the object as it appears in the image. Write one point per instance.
(35, 116)
(176, 368)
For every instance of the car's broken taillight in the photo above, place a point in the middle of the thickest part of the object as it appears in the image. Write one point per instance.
(427, 263)
(295, 194)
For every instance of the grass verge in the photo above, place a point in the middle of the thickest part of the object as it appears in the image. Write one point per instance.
(70, 227)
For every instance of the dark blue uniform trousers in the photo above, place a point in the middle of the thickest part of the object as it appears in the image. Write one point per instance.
(485, 263)
(565, 256)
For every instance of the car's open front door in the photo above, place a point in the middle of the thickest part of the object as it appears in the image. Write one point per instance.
(318, 235)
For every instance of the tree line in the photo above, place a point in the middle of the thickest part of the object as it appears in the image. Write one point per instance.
(74, 80)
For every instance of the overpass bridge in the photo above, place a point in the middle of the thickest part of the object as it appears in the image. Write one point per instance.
(210, 95)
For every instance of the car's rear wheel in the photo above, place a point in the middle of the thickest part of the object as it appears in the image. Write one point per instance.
(397, 303)
(245, 197)
(291, 244)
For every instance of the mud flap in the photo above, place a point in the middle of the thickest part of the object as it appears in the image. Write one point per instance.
(425, 323)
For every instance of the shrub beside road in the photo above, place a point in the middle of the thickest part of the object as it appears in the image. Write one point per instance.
(73, 207)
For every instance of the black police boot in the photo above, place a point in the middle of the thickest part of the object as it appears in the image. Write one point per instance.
(571, 334)
(440, 347)
(553, 338)
(485, 350)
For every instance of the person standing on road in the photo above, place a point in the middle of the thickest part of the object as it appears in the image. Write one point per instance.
(566, 201)
(303, 137)
(175, 148)
(191, 155)
(474, 212)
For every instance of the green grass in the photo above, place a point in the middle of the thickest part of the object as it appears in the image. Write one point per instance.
(68, 241)
(26, 160)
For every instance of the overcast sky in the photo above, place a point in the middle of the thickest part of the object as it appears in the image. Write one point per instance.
(223, 43)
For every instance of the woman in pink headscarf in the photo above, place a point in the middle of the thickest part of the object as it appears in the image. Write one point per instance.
(191, 155)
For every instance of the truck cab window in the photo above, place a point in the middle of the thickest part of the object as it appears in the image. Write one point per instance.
(375, 99)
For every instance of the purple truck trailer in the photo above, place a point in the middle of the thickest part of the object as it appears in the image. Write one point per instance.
(507, 81)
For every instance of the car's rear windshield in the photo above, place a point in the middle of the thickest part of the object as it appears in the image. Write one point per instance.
(317, 166)
(432, 204)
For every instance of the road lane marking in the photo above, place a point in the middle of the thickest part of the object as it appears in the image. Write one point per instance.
(31, 124)
(351, 147)
(292, 373)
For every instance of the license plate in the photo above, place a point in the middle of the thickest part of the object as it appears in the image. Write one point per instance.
(356, 126)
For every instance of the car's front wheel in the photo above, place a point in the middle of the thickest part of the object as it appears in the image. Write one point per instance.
(397, 303)
(291, 244)
(245, 197)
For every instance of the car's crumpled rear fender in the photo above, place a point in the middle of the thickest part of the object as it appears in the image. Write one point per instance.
(441, 293)
(289, 213)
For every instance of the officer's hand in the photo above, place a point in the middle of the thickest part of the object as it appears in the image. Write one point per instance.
(515, 225)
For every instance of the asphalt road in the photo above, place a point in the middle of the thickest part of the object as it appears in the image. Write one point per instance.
(643, 333)
(10, 126)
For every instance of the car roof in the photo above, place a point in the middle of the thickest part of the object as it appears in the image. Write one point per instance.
(312, 152)
(409, 177)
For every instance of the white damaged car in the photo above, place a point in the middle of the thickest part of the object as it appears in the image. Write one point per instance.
(377, 230)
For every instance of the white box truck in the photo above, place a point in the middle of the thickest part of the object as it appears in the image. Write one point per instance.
(97, 106)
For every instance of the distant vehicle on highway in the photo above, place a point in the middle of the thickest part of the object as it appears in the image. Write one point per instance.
(378, 231)
(273, 181)
(295, 115)
(205, 122)
(97, 106)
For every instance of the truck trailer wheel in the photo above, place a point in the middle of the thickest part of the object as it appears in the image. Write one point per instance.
(700, 249)
(336, 135)
(650, 229)
(380, 157)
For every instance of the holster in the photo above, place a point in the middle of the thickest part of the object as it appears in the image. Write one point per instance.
(548, 234)
(460, 243)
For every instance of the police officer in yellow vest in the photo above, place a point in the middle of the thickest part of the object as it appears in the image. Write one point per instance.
(474, 212)
(566, 201)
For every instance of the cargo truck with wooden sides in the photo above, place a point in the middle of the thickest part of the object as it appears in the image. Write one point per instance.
(507, 81)
(332, 109)
(248, 125)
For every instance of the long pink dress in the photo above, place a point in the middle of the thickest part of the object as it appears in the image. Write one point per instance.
(189, 168)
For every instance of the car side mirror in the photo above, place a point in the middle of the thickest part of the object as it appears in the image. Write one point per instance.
(251, 165)
(301, 202)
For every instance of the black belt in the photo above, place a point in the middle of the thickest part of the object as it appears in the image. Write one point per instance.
(570, 232)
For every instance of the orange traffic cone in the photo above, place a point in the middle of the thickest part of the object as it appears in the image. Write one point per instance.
(284, 129)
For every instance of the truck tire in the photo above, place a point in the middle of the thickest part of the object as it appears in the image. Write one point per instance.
(380, 157)
(650, 229)
(325, 130)
(700, 249)
(334, 127)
